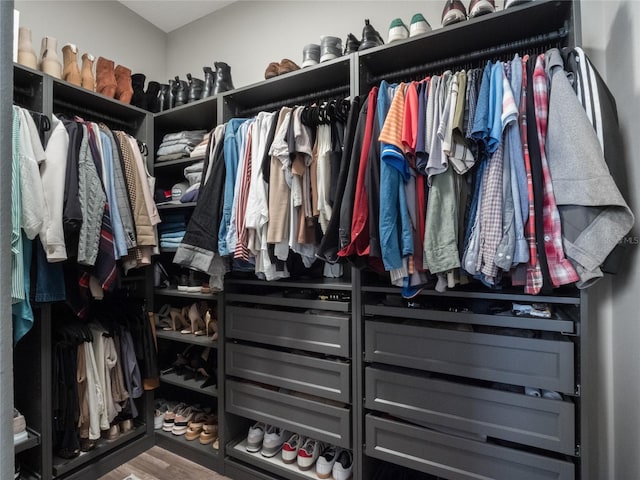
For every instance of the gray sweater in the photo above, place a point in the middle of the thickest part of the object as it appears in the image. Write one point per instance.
(594, 215)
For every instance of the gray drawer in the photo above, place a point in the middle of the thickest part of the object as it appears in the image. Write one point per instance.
(519, 361)
(538, 422)
(309, 417)
(456, 458)
(323, 333)
(315, 376)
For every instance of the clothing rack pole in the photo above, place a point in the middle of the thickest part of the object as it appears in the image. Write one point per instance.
(299, 99)
(476, 55)
(94, 116)
(27, 91)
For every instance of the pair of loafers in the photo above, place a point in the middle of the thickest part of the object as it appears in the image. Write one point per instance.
(285, 66)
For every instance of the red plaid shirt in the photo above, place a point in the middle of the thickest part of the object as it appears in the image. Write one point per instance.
(533, 283)
(560, 269)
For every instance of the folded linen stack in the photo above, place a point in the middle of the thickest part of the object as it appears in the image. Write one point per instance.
(201, 148)
(178, 145)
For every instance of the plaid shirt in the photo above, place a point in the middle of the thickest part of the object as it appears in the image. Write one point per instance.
(533, 283)
(560, 269)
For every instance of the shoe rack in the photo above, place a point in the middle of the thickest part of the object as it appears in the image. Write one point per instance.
(200, 115)
(33, 389)
(421, 384)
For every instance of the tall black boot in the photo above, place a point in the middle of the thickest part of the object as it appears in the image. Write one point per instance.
(164, 101)
(196, 87)
(173, 92)
(223, 81)
(181, 92)
(208, 82)
(138, 99)
(151, 97)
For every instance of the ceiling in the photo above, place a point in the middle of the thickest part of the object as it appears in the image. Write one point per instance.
(169, 15)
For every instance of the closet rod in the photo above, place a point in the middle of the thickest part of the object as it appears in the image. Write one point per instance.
(27, 91)
(329, 92)
(476, 55)
(93, 115)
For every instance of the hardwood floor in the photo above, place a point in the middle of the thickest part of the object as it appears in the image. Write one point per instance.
(160, 464)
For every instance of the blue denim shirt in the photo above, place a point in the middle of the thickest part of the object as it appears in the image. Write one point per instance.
(231, 164)
(119, 239)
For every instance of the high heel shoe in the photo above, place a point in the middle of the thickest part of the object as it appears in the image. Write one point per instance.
(196, 311)
(178, 319)
(210, 319)
(186, 323)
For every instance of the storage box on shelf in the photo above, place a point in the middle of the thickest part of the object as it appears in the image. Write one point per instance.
(287, 363)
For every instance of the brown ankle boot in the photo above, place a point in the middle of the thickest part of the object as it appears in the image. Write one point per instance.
(88, 80)
(70, 71)
(105, 77)
(124, 89)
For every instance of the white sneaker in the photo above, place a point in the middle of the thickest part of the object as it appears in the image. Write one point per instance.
(343, 468)
(255, 437)
(419, 25)
(309, 453)
(397, 30)
(291, 448)
(274, 438)
(324, 465)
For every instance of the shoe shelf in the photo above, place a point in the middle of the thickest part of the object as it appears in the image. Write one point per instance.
(198, 115)
(331, 78)
(168, 250)
(191, 384)
(27, 87)
(174, 292)
(77, 100)
(238, 450)
(447, 43)
(201, 340)
(62, 466)
(176, 206)
(181, 162)
(33, 440)
(204, 455)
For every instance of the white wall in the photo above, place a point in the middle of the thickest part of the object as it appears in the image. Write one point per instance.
(611, 37)
(102, 28)
(248, 35)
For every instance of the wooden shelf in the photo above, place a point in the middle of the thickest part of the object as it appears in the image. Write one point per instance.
(193, 385)
(204, 455)
(176, 206)
(203, 340)
(33, 440)
(174, 292)
(180, 162)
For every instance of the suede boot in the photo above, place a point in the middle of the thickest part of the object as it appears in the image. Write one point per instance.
(49, 61)
(70, 71)
(151, 97)
(139, 98)
(196, 86)
(105, 77)
(26, 54)
(182, 92)
(223, 82)
(124, 89)
(88, 79)
(207, 91)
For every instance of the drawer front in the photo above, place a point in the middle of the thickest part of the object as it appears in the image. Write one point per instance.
(538, 422)
(322, 333)
(456, 458)
(315, 376)
(527, 362)
(312, 418)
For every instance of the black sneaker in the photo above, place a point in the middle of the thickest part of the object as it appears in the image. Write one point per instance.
(352, 44)
(453, 12)
(370, 37)
(481, 7)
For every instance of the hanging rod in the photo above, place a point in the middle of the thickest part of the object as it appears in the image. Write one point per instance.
(27, 91)
(93, 115)
(549, 37)
(290, 101)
